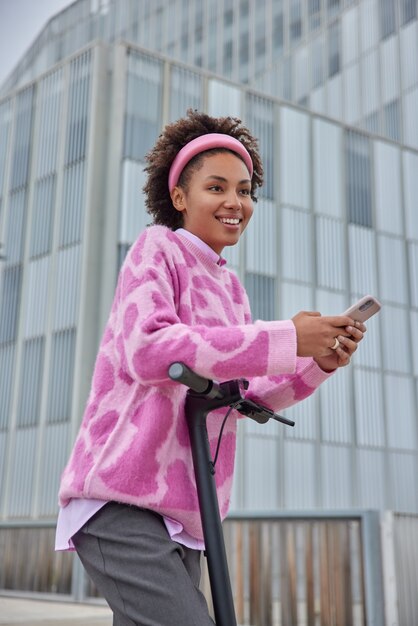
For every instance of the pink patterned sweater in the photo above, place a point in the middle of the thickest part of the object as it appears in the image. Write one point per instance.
(174, 303)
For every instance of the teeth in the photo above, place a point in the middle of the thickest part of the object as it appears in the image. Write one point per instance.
(229, 220)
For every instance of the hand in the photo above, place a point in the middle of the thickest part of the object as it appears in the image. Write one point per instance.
(316, 334)
(348, 345)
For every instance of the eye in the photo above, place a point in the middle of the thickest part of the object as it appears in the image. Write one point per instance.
(215, 188)
(245, 192)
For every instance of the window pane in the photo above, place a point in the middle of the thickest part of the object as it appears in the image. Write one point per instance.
(317, 61)
(336, 476)
(142, 123)
(296, 260)
(369, 24)
(358, 179)
(305, 415)
(334, 47)
(49, 106)
(395, 341)
(301, 74)
(408, 11)
(15, 227)
(260, 120)
(399, 393)
(294, 298)
(392, 120)
(185, 92)
(336, 408)
(351, 78)
(314, 14)
(133, 217)
(410, 130)
(333, 7)
(223, 99)
(409, 54)
(350, 43)
(389, 69)
(328, 168)
(295, 25)
(387, 17)
(35, 312)
(370, 465)
(22, 140)
(261, 458)
(261, 292)
(277, 29)
(227, 59)
(5, 125)
(413, 273)
(67, 287)
(392, 269)
(73, 204)
(300, 486)
(77, 125)
(31, 382)
(370, 83)
(262, 257)
(260, 39)
(402, 472)
(370, 421)
(362, 256)
(7, 355)
(294, 157)
(330, 253)
(61, 376)
(10, 303)
(43, 216)
(387, 169)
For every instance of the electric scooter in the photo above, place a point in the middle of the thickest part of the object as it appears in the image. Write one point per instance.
(202, 397)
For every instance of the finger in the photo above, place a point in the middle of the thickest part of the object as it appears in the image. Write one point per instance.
(340, 321)
(343, 357)
(347, 344)
(360, 326)
(354, 332)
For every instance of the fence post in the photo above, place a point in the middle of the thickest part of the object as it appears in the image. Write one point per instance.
(373, 579)
(389, 570)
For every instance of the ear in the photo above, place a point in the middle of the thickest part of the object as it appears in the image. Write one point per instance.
(178, 199)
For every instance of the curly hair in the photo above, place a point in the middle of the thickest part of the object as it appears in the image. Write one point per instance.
(171, 141)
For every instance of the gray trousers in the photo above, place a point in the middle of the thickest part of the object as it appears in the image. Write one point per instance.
(146, 578)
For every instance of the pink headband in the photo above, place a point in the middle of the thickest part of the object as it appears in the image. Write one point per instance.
(201, 144)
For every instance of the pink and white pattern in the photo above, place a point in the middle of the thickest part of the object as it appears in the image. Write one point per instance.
(174, 303)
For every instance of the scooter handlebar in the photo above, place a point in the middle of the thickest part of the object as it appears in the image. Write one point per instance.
(180, 373)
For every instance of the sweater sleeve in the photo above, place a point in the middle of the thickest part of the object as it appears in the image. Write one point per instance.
(279, 392)
(151, 333)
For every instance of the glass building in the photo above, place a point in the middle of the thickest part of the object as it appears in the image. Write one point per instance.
(336, 219)
(354, 60)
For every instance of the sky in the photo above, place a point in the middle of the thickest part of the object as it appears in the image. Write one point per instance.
(20, 23)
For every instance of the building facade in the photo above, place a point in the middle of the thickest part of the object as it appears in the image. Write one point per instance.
(354, 60)
(336, 219)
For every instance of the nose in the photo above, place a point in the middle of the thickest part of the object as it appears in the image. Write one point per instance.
(233, 201)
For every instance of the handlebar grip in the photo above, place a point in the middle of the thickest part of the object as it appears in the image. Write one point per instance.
(183, 374)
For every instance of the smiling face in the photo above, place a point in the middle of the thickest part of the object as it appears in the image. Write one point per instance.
(216, 202)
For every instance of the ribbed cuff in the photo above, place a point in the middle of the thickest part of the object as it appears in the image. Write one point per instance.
(282, 346)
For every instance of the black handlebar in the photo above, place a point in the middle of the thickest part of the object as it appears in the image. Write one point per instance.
(183, 374)
(205, 387)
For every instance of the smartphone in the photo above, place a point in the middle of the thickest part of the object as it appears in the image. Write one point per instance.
(363, 309)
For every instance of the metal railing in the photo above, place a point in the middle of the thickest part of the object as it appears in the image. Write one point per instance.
(305, 568)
